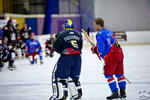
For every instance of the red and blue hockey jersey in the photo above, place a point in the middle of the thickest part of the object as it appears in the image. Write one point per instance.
(105, 39)
(33, 46)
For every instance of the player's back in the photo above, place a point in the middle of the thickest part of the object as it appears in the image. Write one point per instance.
(72, 39)
(108, 36)
(68, 41)
(106, 39)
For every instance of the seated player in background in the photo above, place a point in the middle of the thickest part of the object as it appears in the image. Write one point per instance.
(33, 48)
(8, 32)
(12, 57)
(49, 46)
(25, 35)
(6, 55)
(3, 53)
(18, 41)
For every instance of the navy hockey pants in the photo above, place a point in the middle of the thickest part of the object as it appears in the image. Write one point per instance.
(69, 66)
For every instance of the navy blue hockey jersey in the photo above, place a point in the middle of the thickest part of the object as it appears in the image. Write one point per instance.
(3, 53)
(68, 42)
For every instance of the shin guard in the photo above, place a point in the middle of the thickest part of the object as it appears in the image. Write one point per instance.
(75, 89)
(60, 91)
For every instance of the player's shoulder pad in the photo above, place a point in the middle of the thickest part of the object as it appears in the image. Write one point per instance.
(98, 35)
(55, 36)
(79, 33)
(58, 34)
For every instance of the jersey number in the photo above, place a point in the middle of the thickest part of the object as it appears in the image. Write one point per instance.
(74, 43)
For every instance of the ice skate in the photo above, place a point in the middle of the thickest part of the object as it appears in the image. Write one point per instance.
(77, 98)
(51, 55)
(35, 60)
(54, 98)
(122, 95)
(114, 95)
(41, 61)
(11, 67)
(32, 62)
(47, 54)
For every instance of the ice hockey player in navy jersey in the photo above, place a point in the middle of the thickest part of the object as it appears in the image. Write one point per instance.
(69, 45)
(6, 55)
(3, 53)
(33, 49)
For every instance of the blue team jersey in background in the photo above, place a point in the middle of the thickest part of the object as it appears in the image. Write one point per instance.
(105, 39)
(33, 45)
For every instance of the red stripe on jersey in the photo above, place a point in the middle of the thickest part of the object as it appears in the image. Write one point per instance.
(70, 51)
(108, 55)
(110, 79)
(121, 78)
(112, 35)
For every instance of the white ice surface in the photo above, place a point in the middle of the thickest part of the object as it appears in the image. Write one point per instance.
(34, 82)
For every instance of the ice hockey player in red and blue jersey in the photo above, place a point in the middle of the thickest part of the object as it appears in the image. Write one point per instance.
(109, 49)
(33, 48)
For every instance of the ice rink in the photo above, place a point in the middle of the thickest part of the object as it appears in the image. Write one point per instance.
(34, 82)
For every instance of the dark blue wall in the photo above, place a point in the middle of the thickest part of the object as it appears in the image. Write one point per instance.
(52, 7)
(32, 22)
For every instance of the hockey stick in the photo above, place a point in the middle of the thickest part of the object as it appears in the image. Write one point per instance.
(88, 31)
(128, 80)
(92, 44)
